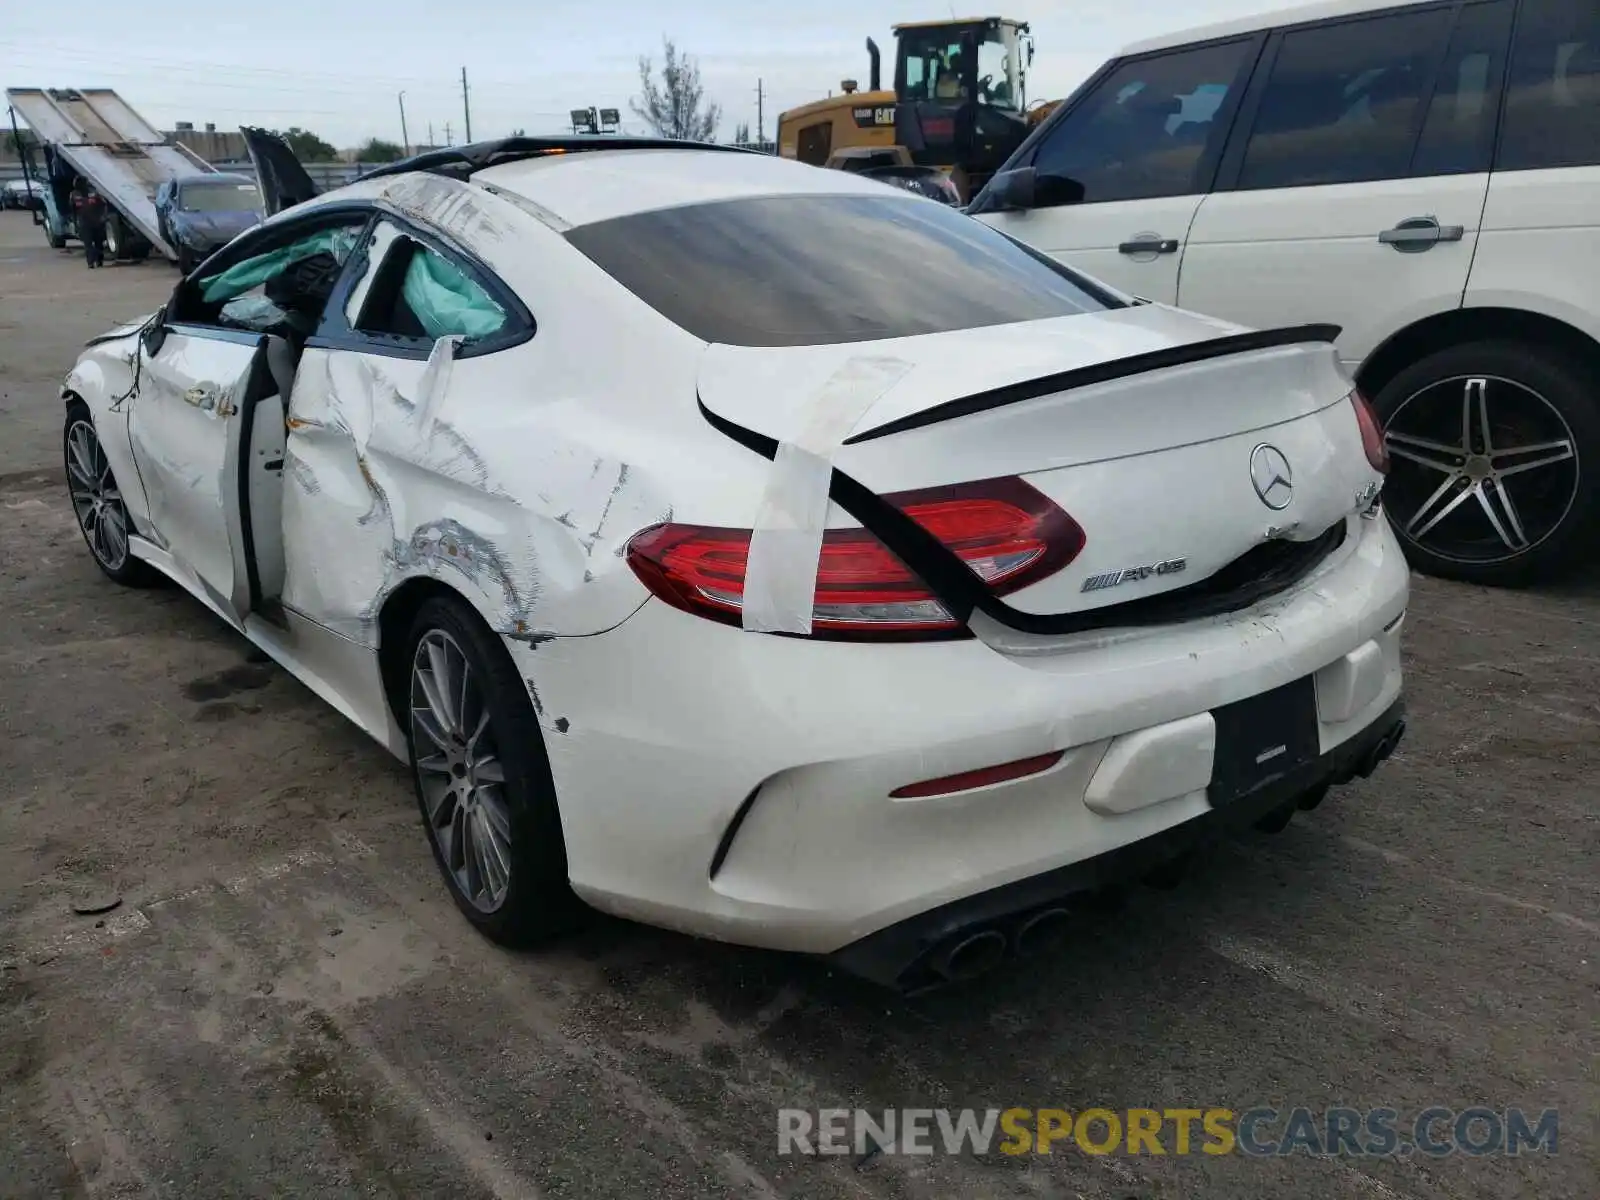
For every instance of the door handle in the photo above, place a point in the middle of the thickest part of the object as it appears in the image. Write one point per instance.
(204, 396)
(1416, 234)
(1149, 245)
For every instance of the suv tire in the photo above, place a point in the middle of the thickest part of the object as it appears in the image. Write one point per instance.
(1448, 484)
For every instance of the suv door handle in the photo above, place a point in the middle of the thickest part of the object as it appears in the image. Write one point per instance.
(1149, 245)
(1416, 234)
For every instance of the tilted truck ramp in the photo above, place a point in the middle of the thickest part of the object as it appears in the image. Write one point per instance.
(113, 147)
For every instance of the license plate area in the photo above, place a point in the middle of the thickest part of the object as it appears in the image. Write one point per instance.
(1263, 738)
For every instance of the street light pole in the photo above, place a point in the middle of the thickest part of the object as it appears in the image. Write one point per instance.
(405, 138)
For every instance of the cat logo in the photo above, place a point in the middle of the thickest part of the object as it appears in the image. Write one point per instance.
(869, 118)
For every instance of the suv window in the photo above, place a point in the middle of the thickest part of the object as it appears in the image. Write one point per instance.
(1343, 102)
(1144, 131)
(1553, 106)
(821, 270)
(1458, 132)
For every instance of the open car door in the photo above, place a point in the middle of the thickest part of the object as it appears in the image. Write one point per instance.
(283, 181)
(197, 395)
(207, 422)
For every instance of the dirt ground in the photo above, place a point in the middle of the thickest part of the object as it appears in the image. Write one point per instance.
(286, 1003)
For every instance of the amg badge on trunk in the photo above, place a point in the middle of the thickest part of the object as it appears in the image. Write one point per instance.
(1098, 583)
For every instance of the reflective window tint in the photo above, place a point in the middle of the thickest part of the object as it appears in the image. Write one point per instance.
(1553, 106)
(1143, 132)
(1343, 102)
(818, 270)
(1458, 133)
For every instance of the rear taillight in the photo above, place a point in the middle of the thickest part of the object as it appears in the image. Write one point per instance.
(1371, 433)
(1007, 532)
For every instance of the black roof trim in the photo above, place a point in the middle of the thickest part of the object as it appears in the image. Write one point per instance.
(462, 161)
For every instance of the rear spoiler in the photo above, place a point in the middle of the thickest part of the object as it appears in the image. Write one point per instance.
(960, 590)
(1120, 368)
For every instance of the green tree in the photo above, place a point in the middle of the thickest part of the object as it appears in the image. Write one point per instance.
(376, 150)
(675, 107)
(307, 146)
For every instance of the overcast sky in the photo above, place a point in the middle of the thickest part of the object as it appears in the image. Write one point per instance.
(336, 66)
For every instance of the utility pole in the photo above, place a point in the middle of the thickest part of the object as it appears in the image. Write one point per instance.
(447, 140)
(405, 138)
(466, 104)
(761, 100)
(431, 142)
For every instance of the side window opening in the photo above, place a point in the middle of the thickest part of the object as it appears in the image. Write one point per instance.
(418, 294)
(1344, 102)
(1553, 105)
(1144, 132)
(282, 290)
(1458, 130)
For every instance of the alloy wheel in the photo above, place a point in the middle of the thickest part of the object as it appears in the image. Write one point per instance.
(459, 771)
(96, 499)
(1484, 468)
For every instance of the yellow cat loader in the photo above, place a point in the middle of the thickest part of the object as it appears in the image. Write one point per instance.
(957, 110)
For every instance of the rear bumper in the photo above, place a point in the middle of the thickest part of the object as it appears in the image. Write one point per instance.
(739, 786)
(916, 953)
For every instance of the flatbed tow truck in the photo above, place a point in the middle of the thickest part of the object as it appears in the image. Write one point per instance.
(94, 135)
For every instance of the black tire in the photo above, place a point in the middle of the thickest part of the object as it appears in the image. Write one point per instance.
(538, 902)
(1535, 396)
(57, 241)
(116, 238)
(126, 570)
(138, 250)
(186, 259)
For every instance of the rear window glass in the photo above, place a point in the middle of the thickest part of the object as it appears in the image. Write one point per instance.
(819, 270)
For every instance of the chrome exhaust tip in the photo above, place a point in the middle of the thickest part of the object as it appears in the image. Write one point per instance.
(1384, 748)
(1042, 932)
(972, 956)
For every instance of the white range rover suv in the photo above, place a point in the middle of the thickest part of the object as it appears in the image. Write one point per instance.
(1426, 176)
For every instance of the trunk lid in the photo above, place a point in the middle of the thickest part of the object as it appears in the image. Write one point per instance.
(1159, 467)
(283, 181)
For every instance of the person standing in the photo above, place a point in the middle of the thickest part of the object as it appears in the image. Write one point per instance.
(90, 208)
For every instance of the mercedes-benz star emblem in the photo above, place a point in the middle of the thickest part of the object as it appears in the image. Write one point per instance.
(1272, 476)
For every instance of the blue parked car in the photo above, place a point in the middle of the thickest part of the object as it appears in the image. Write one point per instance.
(199, 214)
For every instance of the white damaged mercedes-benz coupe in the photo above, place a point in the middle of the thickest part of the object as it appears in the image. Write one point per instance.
(756, 550)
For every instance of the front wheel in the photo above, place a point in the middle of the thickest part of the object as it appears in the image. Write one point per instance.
(482, 779)
(97, 501)
(1494, 450)
(58, 241)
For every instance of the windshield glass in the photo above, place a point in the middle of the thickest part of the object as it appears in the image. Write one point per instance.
(821, 270)
(220, 197)
(935, 68)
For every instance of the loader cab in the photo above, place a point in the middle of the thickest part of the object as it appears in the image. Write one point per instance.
(961, 92)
